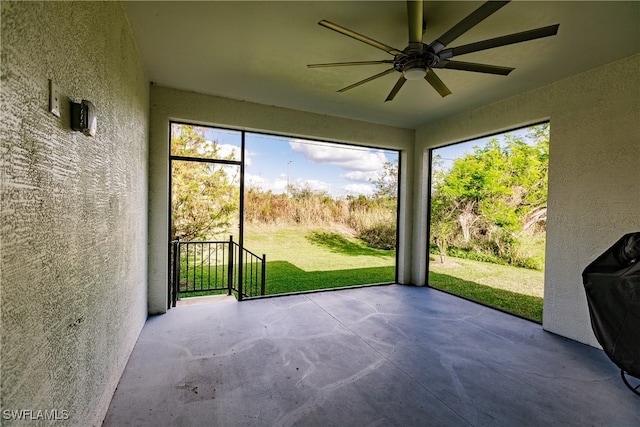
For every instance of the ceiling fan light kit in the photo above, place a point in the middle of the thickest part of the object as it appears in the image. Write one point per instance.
(418, 59)
(414, 73)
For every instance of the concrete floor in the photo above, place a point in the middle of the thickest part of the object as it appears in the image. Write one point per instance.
(378, 356)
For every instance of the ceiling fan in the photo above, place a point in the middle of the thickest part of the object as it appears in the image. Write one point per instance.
(418, 59)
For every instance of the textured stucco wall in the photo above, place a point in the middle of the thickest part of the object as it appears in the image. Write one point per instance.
(594, 173)
(171, 104)
(74, 208)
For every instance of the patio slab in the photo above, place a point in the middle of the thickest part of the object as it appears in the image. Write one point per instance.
(386, 355)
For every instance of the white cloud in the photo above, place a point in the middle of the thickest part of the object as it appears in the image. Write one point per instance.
(313, 184)
(279, 186)
(361, 176)
(225, 150)
(358, 189)
(350, 158)
(261, 183)
(254, 181)
(248, 157)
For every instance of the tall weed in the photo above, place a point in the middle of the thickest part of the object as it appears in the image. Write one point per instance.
(371, 219)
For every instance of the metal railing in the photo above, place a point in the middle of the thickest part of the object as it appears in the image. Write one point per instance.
(209, 266)
(251, 278)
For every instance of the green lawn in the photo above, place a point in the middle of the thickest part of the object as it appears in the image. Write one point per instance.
(515, 290)
(302, 259)
(513, 279)
(315, 249)
(284, 277)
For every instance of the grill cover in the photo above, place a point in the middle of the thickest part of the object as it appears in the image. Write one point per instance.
(612, 284)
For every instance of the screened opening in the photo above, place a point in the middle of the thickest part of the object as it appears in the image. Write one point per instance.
(255, 214)
(488, 220)
(205, 191)
(325, 214)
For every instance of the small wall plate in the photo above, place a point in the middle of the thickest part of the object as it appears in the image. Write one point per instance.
(54, 98)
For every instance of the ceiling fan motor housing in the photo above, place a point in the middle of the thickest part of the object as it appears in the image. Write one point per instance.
(417, 57)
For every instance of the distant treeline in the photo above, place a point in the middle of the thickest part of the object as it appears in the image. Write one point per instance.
(372, 219)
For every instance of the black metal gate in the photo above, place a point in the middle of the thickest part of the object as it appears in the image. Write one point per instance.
(207, 267)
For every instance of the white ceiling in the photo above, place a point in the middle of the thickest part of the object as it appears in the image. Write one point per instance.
(258, 51)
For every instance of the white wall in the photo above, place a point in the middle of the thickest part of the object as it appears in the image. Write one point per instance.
(171, 104)
(74, 208)
(594, 174)
(595, 150)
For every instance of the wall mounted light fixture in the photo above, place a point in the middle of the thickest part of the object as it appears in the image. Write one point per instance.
(83, 117)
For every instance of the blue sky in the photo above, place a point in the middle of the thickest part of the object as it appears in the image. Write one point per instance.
(272, 161)
(340, 170)
(337, 169)
(454, 151)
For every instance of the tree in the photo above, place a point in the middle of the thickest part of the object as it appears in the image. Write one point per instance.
(493, 194)
(445, 212)
(387, 183)
(204, 196)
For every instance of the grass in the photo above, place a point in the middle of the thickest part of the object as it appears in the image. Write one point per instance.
(315, 248)
(514, 279)
(311, 258)
(512, 289)
(338, 243)
(201, 276)
(284, 277)
(307, 258)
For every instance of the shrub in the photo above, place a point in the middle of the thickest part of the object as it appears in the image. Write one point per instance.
(380, 236)
(475, 255)
(518, 255)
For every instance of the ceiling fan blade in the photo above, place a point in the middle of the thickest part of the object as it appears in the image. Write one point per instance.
(466, 24)
(360, 37)
(341, 64)
(437, 84)
(367, 80)
(396, 89)
(524, 36)
(472, 66)
(415, 16)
